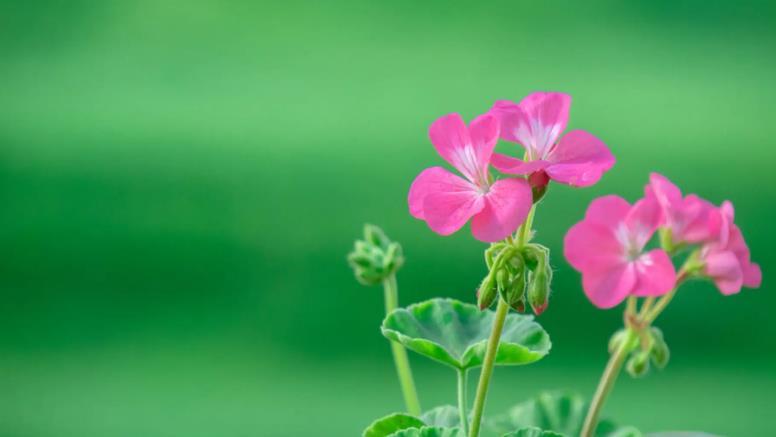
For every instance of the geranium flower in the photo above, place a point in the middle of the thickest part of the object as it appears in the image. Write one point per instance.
(690, 219)
(607, 247)
(727, 260)
(446, 201)
(536, 123)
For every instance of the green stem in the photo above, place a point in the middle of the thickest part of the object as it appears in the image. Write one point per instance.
(487, 367)
(462, 398)
(606, 383)
(399, 353)
(525, 229)
(663, 302)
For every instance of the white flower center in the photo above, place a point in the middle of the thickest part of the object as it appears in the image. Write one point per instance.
(538, 138)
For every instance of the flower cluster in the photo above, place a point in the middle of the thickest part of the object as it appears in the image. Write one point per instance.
(496, 208)
(610, 245)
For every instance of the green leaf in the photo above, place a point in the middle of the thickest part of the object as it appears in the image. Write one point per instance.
(680, 434)
(456, 334)
(532, 432)
(444, 416)
(391, 423)
(429, 431)
(559, 412)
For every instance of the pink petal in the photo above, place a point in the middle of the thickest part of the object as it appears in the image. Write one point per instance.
(536, 123)
(723, 267)
(579, 159)
(510, 165)
(450, 136)
(727, 213)
(608, 211)
(702, 221)
(665, 192)
(506, 206)
(432, 180)
(447, 211)
(642, 221)
(591, 246)
(468, 149)
(655, 274)
(510, 117)
(607, 288)
(753, 276)
(484, 132)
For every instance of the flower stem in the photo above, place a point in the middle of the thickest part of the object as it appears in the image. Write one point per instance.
(399, 353)
(605, 384)
(525, 229)
(462, 398)
(487, 367)
(663, 302)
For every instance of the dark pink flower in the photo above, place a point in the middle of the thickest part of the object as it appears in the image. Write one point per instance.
(446, 201)
(690, 219)
(727, 260)
(536, 123)
(607, 247)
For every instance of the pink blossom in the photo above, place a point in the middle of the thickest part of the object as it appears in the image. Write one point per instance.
(446, 201)
(690, 219)
(578, 159)
(607, 247)
(727, 260)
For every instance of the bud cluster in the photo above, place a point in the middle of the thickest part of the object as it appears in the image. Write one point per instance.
(376, 257)
(518, 275)
(644, 347)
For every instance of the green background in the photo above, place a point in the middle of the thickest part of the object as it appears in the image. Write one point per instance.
(180, 182)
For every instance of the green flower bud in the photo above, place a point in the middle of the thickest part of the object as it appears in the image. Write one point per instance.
(638, 364)
(616, 340)
(375, 257)
(487, 293)
(539, 290)
(375, 236)
(659, 353)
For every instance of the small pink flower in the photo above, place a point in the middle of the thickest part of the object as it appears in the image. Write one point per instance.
(607, 247)
(446, 201)
(727, 260)
(578, 159)
(690, 219)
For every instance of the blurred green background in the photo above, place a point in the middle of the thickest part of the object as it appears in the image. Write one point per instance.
(180, 183)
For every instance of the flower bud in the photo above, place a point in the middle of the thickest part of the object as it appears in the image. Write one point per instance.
(539, 290)
(540, 277)
(487, 293)
(638, 364)
(659, 353)
(375, 257)
(538, 181)
(617, 339)
(375, 236)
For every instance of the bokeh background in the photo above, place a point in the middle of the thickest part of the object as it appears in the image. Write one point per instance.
(180, 182)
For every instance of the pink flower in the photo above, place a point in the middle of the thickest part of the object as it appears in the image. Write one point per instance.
(578, 159)
(690, 219)
(446, 201)
(607, 247)
(727, 260)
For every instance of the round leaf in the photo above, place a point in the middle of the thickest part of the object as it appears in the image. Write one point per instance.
(444, 416)
(429, 431)
(456, 334)
(391, 423)
(680, 434)
(532, 432)
(559, 412)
